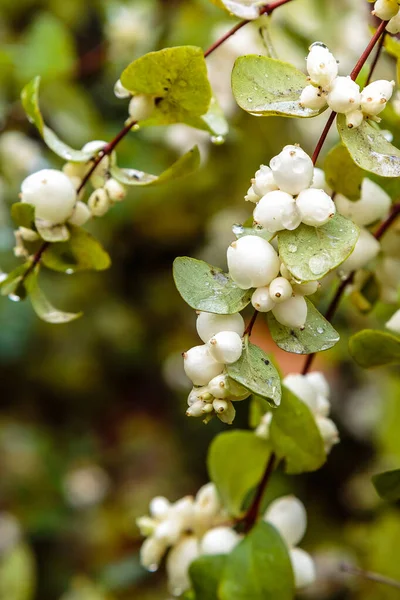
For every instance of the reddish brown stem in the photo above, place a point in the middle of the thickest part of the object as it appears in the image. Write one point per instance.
(376, 58)
(266, 10)
(252, 514)
(250, 326)
(323, 137)
(377, 577)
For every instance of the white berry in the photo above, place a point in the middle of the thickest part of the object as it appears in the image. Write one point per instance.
(394, 24)
(261, 300)
(301, 387)
(200, 366)
(306, 289)
(99, 202)
(344, 96)
(394, 322)
(220, 540)
(80, 215)
(115, 190)
(354, 119)
(313, 98)
(120, 91)
(251, 196)
(292, 312)
(321, 65)
(252, 262)
(208, 324)
(375, 96)
(276, 211)
(264, 181)
(99, 175)
(365, 250)
(316, 207)
(51, 193)
(141, 107)
(373, 205)
(329, 432)
(226, 347)
(280, 289)
(293, 170)
(303, 568)
(289, 517)
(385, 9)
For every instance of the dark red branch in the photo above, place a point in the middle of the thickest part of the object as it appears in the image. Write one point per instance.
(252, 514)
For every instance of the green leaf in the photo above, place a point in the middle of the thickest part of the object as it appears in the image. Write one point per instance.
(387, 485)
(317, 335)
(369, 149)
(23, 215)
(311, 252)
(236, 462)
(207, 288)
(259, 568)
(82, 252)
(342, 173)
(255, 372)
(241, 230)
(294, 435)
(17, 574)
(10, 283)
(185, 165)
(30, 102)
(205, 573)
(42, 306)
(244, 9)
(177, 78)
(371, 348)
(265, 86)
(213, 121)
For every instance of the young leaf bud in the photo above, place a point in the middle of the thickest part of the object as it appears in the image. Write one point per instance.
(280, 289)
(226, 347)
(99, 202)
(293, 170)
(209, 324)
(316, 207)
(252, 262)
(51, 193)
(292, 312)
(200, 366)
(276, 211)
(289, 517)
(344, 96)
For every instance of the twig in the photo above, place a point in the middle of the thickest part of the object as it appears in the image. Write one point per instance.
(266, 10)
(376, 59)
(370, 575)
(250, 326)
(252, 513)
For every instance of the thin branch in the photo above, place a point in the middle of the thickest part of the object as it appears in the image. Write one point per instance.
(323, 137)
(266, 10)
(370, 575)
(382, 229)
(250, 326)
(252, 513)
(376, 59)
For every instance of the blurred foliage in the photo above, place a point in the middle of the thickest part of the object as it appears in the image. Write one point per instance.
(92, 418)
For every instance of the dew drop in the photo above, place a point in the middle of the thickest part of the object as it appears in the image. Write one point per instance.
(14, 297)
(320, 330)
(292, 248)
(250, 100)
(319, 263)
(218, 140)
(237, 230)
(69, 271)
(3, 276)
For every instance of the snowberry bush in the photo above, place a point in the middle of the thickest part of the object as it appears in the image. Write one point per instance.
(309, 228)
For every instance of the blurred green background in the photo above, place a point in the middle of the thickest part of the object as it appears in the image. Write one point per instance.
(92, 414)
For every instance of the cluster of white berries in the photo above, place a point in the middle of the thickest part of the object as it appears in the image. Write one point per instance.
(373, 206)
(313, 390)
(193, 527)
(342, 94)
(214, 391)
(286, 193)
(54, 195)
(388, 10)
(189, 528)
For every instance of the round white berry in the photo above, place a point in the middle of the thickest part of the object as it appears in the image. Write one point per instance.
(285, 272)
(329, 432)
(115, 190)
(178, 562)
(385, 9)
(252, 262)
(99, 202)
(293, 170)
(321, 65)
(375, 96)
(276, 211)
(80, 215)
(354, 119)
(280, 289)
(344, 96)
(200, 366)
(394, 322)
(312, 97)
(292, 312)
(208, 324)
(261, 300)
(159, 507)
(365, 250)
(220, 406)
(319, 383)
(199, 393)
(289, 517)
(228, 416)
(303, 568)
(319, 180)
(226, 347)
(251, 196)
(120, 91)
(315, 206)
(306, 289)
(51, 193)
(220, 540)
(301, 387)
(394, 24)
(141, 107)
(219, 387)
(373, 205)
(197, 409)
(264, 181)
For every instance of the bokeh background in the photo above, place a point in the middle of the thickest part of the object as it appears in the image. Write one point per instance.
(92, 414)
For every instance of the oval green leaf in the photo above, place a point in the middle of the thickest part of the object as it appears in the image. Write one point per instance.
(185, 165)
(369, 149)
(342, 173)
(255, 372)
(236, 462)
(317, 335)
(387, 485)
(176, 77)
(294, 436)
(82, 252)
(371, 348)
(265, 86)
(310, 253)
(208, 288)
(205, 573)
(42, 306)
(259, 568)
(23, 215)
